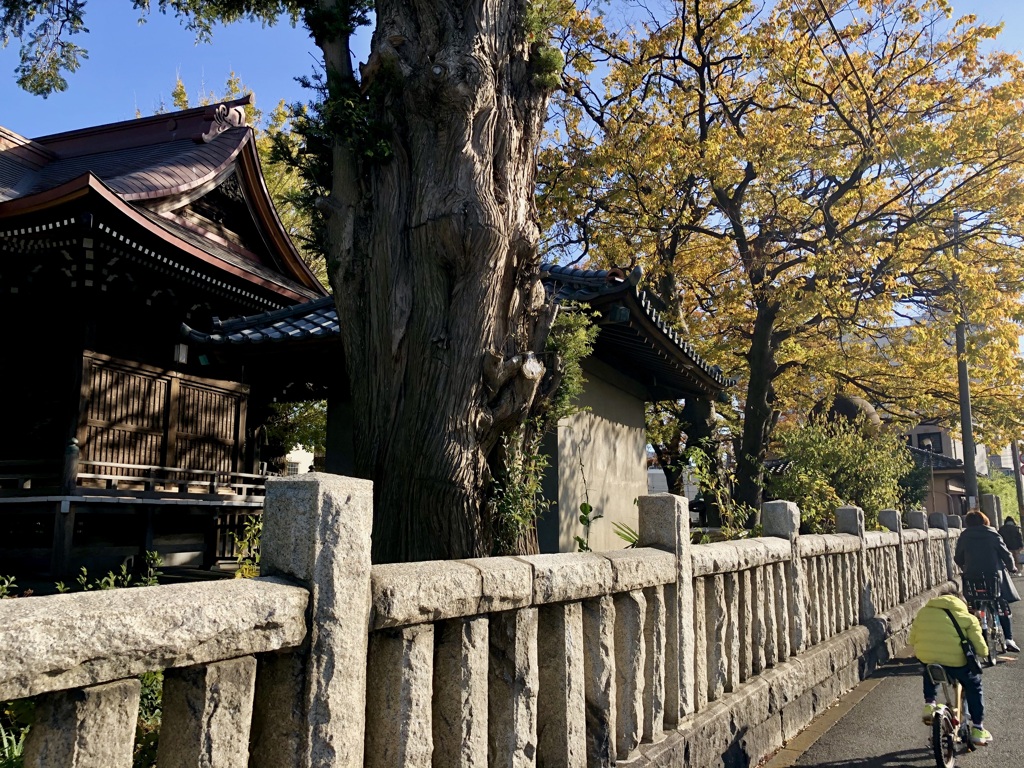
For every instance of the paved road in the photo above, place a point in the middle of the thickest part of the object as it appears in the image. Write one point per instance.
(883, 729)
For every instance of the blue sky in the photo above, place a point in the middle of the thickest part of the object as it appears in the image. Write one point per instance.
(133, 66)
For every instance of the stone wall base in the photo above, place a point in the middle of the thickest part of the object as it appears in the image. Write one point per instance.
(743, 727)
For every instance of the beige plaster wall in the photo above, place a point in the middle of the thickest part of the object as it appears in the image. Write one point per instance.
(610, 439)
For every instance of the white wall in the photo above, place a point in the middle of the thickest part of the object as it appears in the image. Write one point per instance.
(610, 439)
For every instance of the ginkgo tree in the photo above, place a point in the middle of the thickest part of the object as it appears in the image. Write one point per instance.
(818, 191)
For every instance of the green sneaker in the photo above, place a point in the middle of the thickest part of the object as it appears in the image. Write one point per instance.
(980, 736)
(928, 714)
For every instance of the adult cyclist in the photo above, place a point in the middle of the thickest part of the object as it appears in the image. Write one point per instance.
(936, 641)
(983, 555)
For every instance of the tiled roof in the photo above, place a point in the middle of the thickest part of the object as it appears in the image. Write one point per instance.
(925, 458)
(570, 284)
(166, 163)
(312, 320)
(138, 172)
(319, 319)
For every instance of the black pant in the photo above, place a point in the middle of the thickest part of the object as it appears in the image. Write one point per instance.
(971, 681)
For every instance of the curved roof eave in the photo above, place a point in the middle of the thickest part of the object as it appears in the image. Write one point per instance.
(266, 214)
(87, 182)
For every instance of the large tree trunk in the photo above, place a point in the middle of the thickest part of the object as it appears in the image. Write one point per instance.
(435, 266)
(701, 433)
(759, 413)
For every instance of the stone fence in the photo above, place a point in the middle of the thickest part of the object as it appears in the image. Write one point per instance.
(665, 654)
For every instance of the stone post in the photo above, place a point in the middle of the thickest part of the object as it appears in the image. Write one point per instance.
(207, 711)
(851, 520)
(90, 727)
(941, 521)
(461, 657)
(599, 683)
(310, 707)
(918, 519)
(890, 518)
(781, 519)
(992, 506)
(630, 665)
(400, 664)
(957, 522)
(513, 682)
(561, 722)
(665, 524)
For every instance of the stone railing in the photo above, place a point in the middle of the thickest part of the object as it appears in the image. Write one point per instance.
(666, 654)
(80, 656)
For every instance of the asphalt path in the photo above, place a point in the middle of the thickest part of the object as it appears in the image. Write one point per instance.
(884, 728)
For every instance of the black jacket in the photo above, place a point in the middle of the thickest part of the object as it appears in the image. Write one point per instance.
(980, 550)
(1011, 535)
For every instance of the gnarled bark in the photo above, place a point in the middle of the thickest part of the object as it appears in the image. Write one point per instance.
(435, 266)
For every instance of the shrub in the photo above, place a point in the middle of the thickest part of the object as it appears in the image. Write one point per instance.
(834, 463)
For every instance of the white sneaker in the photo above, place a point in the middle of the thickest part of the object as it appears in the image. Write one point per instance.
(1012, 646)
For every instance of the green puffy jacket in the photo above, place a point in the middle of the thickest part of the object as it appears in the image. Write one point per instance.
(934, 637)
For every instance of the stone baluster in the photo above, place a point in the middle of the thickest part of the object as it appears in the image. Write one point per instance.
(399, 727)
(460, 692)
(954, 522)
(700, 644)
(561, 729)
(630, 662)
(813, 601)
(918, 520)
(512, 690)
(940, 521)
(732, 631)
(850, 520)
(890, 518)
(781, 519)
(654, 666)
(90, 727)
(310, 706)
(761, 631)
(206, 712)
(665, 523)
(599, 680)
(747, 617)
(716, 615)
(783, 614)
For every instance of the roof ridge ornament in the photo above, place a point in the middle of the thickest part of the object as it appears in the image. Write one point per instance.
(223, 118)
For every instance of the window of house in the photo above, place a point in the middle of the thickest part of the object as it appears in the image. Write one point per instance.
(930, 441)
(291, 468)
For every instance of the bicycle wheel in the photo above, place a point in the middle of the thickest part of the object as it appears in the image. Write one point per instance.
(996, 641)
(943, 739)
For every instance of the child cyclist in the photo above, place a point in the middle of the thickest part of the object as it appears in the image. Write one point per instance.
(936, 641)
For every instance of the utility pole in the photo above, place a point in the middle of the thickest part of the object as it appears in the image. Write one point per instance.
(1018, 481)
(966, 421)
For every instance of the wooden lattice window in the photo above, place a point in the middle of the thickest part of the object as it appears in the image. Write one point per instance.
(138, 414)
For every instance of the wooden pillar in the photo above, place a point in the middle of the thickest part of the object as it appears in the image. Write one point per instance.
(63, 535)
(341, 454)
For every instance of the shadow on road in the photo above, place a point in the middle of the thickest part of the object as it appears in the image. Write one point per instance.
(890, 760)
(899, 667)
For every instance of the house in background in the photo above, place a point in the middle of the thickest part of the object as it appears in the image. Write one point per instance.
(598, 455)
(118, 436)
(935, 447)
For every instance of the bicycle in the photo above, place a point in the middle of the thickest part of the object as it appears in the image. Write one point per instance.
(950, 723)
(984, 601)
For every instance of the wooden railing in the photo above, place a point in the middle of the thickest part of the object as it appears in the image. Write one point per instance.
(92, 478)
